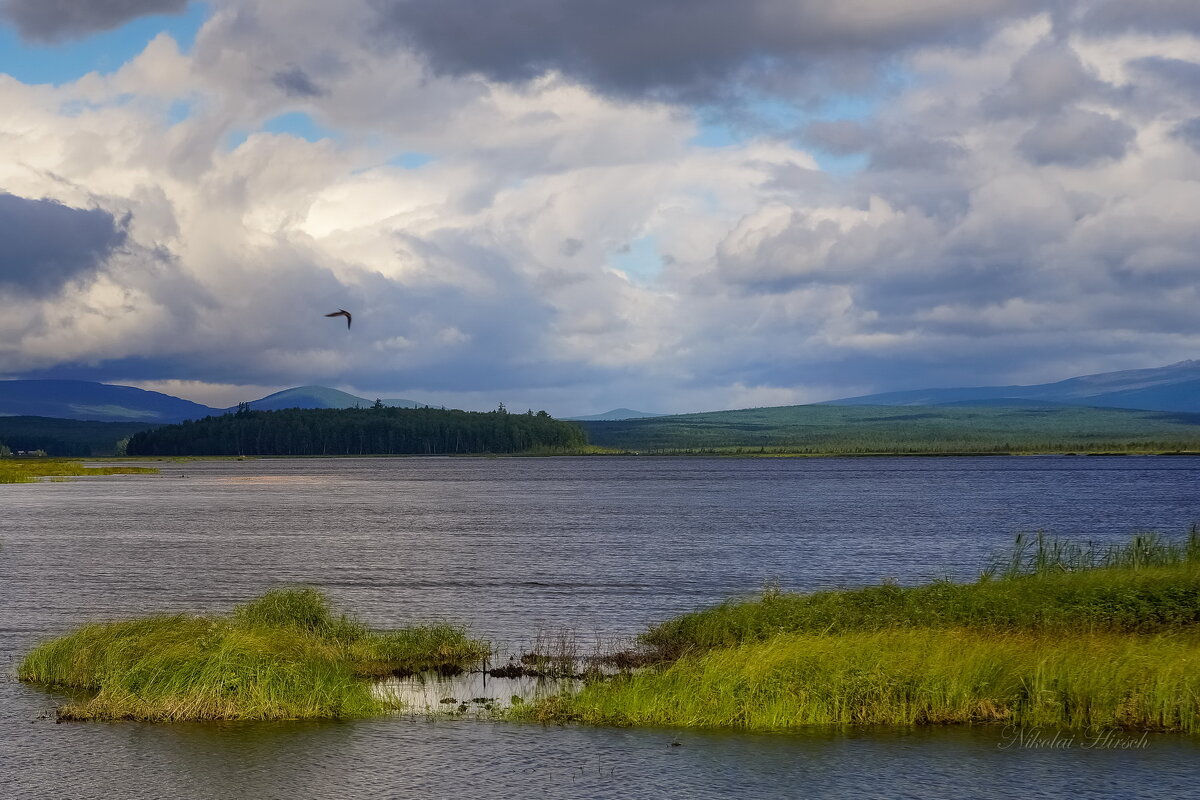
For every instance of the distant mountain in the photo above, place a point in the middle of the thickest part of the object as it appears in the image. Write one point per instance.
(1172, 388)
(321, 397)
(88, 400)
(104, 402)
(615, 414)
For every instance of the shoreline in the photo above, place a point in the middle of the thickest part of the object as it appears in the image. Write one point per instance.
(1066, 453)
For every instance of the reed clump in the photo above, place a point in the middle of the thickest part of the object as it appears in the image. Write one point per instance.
(284, 655)
(22, 470)
(1054, 633)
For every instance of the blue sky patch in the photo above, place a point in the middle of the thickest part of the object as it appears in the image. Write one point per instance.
(410, 160)
(768, 116)
(641, 261)
(179, 111)
(301, 125)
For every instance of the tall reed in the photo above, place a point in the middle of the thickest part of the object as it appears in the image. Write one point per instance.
(1038, 554)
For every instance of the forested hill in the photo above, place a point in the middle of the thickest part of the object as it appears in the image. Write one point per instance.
(66, 437)
(355, 431)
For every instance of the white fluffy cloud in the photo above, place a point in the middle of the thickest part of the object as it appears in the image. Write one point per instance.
(1027, 210)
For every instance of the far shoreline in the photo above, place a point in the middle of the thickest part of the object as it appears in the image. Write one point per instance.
(671, 454)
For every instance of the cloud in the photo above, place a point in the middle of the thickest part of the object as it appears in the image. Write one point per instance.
(1179, 74)
(1076, 138)
(47, 244)
(688, 48)
(1153, 16)
(1026, 209)
(56, 20)
(841, 136)
(913, 151)
(295, 82)
(1047, 78)
(1189, 131)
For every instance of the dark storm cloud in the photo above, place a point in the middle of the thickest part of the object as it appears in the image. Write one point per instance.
(295, 82)
(1076, 138)
(55, 20)
(46, 244)
(674, 47)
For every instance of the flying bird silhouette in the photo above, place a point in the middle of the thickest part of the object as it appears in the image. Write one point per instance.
(341, 312)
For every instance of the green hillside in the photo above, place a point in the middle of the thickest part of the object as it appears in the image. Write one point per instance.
(1175, 387)
(615, 414)
(905, 429)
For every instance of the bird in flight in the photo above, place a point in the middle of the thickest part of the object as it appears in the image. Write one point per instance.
(341, 312)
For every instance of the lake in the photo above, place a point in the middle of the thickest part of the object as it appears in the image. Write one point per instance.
(603, 546)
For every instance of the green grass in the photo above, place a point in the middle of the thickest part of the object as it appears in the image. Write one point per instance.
(1150, 584)
(1052, 634)
(580, 450)
(283, 656)
(23, 470)
(908, 677)
(903, 430)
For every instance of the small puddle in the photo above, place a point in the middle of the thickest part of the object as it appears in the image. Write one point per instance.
(471, 694)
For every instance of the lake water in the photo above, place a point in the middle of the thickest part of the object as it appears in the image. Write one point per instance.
(604, 546)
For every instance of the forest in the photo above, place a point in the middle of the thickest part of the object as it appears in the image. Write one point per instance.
(378, 430)
(66, 438)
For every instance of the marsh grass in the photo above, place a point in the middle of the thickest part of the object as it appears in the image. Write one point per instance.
(1039, 554)
(283, 656)
(908, 677)
(21, 470)
(1054, 633)
(554, 651)
(1150, 584)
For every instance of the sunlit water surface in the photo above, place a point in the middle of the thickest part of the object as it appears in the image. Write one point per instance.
(510, 546)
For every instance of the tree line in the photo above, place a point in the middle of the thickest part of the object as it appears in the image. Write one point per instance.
(378, 430)
(66, 438)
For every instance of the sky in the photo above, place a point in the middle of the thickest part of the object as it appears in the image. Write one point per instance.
(667, 205)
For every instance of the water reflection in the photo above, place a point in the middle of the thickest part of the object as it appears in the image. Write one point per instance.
(470, 694)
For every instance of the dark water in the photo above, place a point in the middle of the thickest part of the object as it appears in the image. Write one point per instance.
(510, 545)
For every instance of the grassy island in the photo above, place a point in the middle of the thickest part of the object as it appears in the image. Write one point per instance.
(1056, 635)
(29, 470)
(284, 655)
